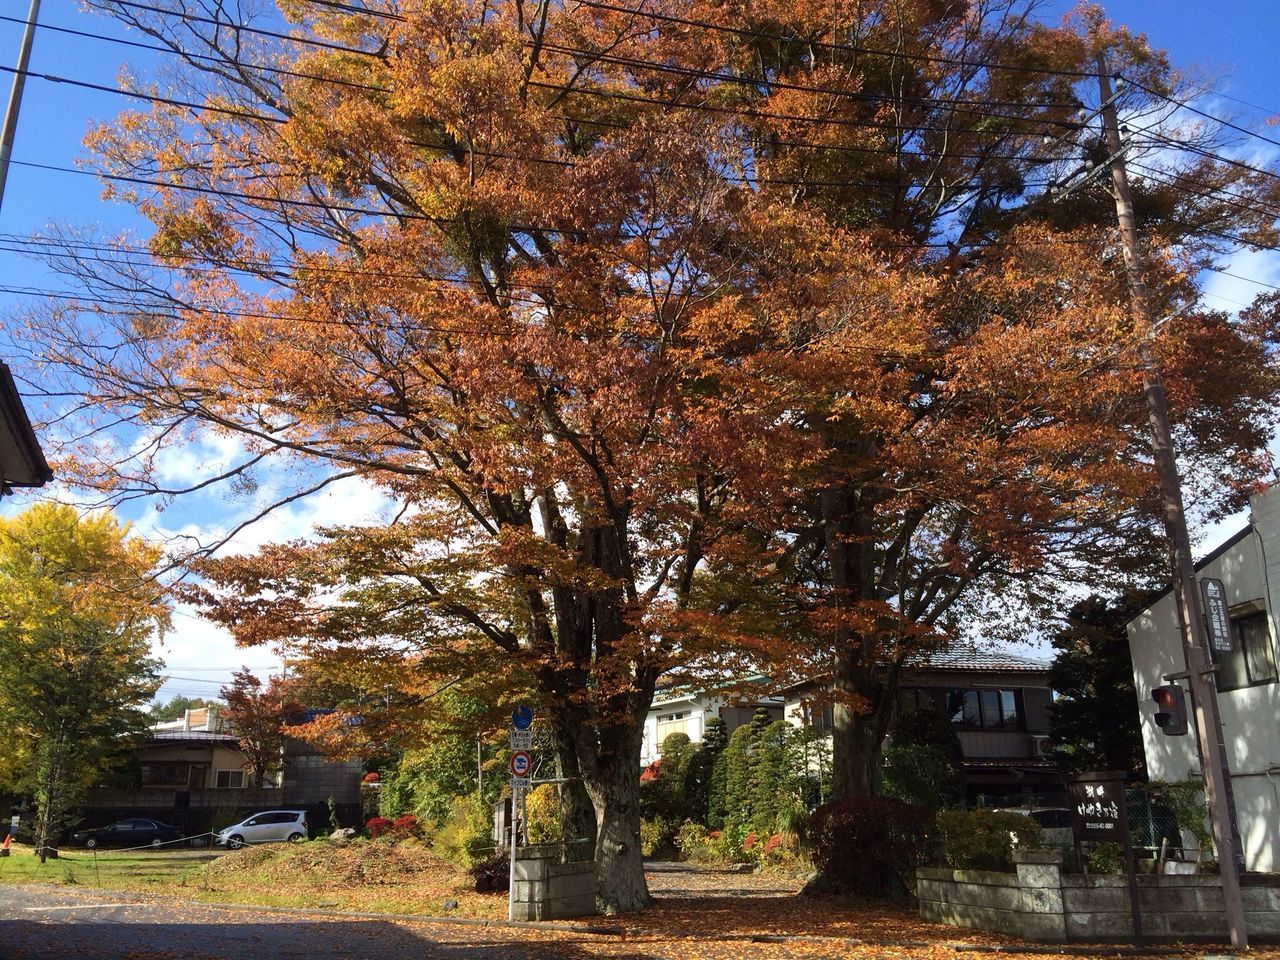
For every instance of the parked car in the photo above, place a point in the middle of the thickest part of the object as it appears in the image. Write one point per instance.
(135, 832)
(264, 828)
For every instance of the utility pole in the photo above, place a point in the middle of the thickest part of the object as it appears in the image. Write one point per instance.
(1195, 645)
(15, 96)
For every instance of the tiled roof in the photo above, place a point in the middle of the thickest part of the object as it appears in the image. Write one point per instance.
(975, 658)
(191, 736)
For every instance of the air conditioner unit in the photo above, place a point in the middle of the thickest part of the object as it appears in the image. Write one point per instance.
(1040, 747)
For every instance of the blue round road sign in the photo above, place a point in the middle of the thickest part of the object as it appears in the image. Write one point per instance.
(521, 718)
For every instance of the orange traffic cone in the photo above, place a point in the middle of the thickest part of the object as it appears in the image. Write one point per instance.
(4, 847)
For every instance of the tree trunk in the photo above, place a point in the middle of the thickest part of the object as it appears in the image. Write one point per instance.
(614, 789)
(577, 811)
(857, 714)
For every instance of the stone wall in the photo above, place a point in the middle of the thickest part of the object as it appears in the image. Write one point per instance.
(549, 888)
(1039, 902)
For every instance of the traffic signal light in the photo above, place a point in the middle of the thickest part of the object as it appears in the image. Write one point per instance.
(1171, 710)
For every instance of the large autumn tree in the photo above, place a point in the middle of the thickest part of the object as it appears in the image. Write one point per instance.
(79, 608)
(675, 333)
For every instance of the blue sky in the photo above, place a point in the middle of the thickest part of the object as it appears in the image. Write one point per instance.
(1232, 43)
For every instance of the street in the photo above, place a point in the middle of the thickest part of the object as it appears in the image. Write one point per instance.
(44, 924)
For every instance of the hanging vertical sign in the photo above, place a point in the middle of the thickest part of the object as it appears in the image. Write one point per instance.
(1216, 617)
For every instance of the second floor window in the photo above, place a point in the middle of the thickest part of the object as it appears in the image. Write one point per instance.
(1253, 661)
(969, 709)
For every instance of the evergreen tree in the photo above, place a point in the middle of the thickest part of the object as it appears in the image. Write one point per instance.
(711, 768)
(1093, 723)
(737, 775)
(772, 776)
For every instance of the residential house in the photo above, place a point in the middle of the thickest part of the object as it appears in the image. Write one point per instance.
(998, 703)
(1248, 564)
(192, 773)
(681, 710)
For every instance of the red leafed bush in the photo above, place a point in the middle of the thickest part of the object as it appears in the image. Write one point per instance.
(405, 826)
(371, 777)
(772, 844)
(377, 826)
(650, 773)
(749, 841)
(871, 845)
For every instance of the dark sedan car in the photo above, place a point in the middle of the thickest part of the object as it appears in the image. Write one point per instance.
(136, 832)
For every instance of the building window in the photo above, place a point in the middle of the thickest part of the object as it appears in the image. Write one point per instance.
(671, 723)
(983, 709)
(1253, 661)
(165, 773)
(230, 779)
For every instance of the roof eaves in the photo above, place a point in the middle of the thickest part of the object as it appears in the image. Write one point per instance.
(1155, 596)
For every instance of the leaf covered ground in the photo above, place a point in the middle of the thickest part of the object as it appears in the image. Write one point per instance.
(698, 914)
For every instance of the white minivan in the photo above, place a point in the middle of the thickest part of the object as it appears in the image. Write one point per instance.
(264, 828)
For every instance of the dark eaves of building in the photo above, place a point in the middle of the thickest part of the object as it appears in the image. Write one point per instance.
(22, 462)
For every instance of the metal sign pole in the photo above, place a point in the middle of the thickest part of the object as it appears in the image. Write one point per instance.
(1134, 912)
(511, 879)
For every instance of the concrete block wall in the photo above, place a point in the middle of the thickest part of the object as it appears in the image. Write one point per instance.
(550, 888)
(1038, 902)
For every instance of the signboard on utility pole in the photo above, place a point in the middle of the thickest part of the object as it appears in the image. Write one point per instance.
(1216, 617)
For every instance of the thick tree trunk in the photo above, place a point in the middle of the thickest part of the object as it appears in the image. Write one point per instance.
(577, 811)
(857, 713)
(614, 789)
(857, 734)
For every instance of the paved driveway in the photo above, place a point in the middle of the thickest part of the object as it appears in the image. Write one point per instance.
(45, 924)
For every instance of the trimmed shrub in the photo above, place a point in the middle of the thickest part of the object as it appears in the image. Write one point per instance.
(406, 826)
(377, 826)
(870, 845)
(984, 839)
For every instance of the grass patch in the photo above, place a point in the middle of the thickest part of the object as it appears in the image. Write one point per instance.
(374, 876)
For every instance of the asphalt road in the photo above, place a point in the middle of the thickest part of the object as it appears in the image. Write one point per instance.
(45, 924)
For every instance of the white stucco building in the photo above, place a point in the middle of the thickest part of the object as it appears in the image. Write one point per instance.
(683, 711)
(1248, 564)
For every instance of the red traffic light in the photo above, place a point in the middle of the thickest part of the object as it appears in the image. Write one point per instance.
(1171, 710)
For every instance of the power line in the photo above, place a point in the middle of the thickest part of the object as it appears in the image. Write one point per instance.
(293, 202)
(1210, 155)
(956, 105)
(837, 47)
(1208, 116)
(150, 97)
(189, 55)
(249, 115)
(244, 28)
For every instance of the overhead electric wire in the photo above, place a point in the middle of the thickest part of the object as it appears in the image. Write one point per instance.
(1170, 179)
(1210, 155)
(158, 309)
(245, 28)
(189, 55)
(837, 47)
(293, 202)
(954, 104)
(1182, 104)
(151, 97)
(249, 115)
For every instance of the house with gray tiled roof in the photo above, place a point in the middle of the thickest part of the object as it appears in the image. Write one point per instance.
(998, 703)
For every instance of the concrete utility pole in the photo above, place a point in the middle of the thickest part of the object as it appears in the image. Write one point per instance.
(1194, 640)
(15, 96)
